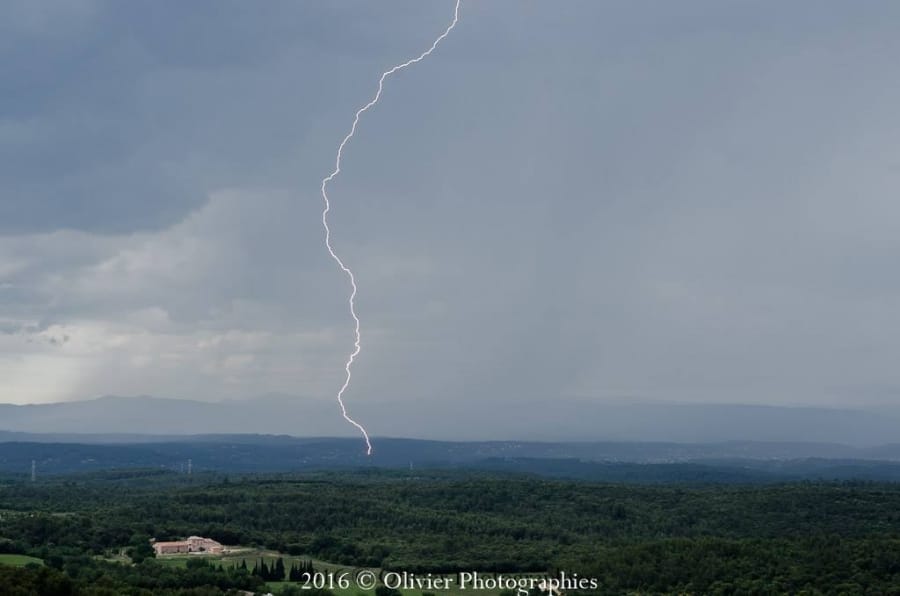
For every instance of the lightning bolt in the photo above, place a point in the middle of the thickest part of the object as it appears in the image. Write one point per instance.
(337, 259)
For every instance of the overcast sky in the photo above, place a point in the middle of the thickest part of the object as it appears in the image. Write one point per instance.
(690, 201)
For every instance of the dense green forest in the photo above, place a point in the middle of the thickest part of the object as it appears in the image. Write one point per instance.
(840, 538)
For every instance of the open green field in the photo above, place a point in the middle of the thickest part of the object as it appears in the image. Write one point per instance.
(252, 556)
(279, 587)
(19, 560)
(352, 590)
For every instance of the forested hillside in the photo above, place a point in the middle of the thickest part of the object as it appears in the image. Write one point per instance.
(662, 539)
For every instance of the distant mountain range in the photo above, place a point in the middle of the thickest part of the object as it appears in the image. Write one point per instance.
(560, 420)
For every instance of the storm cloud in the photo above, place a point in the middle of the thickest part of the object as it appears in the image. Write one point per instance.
(611, 201)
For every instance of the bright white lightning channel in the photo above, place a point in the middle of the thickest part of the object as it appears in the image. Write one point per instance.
(344, 268)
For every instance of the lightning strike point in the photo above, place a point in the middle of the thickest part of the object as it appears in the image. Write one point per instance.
(337, 259)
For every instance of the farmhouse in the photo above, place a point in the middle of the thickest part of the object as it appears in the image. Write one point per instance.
(193, 544)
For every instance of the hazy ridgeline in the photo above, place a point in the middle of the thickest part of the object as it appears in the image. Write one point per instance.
(464, 419)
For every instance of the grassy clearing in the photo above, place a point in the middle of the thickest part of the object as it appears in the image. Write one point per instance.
(19, 560)
(277, 587)
(252, 556)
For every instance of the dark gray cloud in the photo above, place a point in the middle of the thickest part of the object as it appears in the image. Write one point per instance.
(607, 200)
(123, 117)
